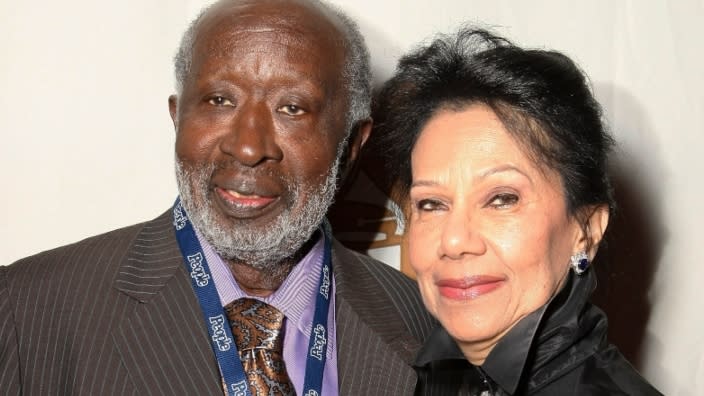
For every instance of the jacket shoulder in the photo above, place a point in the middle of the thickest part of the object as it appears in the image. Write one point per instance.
(72, 259)
(606, 372)
(615, 374)
(396, 284)
(382, 272)
(376, 283)
(94, 245)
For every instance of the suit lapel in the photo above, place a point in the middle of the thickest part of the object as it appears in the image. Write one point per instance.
(163, 342)
(374, 349)
(165, 347)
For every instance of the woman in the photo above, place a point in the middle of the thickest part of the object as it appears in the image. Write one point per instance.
(502, 155)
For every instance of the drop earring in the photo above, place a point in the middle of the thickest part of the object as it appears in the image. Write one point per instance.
(579, 262)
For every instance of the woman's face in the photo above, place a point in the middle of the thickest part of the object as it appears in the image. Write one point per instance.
(490, 237)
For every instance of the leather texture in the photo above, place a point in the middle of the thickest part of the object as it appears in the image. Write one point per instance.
(560, 349)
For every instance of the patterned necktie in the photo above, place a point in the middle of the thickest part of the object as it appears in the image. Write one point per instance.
(258, 332)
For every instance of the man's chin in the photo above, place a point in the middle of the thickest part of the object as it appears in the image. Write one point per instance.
(250, 235)
(250, 240)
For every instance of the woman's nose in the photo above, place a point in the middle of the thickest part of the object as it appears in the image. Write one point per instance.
(460, 236)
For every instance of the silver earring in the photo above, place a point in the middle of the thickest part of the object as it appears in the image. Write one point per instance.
(579, 262)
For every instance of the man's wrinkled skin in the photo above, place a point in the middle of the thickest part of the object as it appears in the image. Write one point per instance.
(260, 130)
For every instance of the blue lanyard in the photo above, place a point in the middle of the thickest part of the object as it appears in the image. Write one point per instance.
(218, 326)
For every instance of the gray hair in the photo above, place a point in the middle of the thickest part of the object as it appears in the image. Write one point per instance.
(357, 71)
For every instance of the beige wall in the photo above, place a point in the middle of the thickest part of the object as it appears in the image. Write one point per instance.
(87, 141)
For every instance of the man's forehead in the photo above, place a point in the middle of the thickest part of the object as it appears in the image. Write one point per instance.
(296, 17)
(228, 24)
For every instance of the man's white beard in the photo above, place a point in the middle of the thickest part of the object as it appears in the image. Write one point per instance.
(262, 249)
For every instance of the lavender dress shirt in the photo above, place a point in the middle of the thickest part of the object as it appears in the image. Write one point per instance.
(296, 299)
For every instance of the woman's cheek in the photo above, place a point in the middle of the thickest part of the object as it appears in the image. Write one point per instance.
(422, 246)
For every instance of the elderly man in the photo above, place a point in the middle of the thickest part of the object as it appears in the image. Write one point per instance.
(272, 109)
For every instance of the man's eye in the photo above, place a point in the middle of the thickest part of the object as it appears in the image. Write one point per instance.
(291, 110)
(503, 201)
(220, 101)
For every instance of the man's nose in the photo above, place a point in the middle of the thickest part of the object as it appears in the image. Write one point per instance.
(251, 139)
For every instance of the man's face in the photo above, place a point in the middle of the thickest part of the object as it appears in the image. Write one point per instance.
(259, 125)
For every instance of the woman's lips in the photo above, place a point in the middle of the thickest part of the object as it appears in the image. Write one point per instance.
(470, 287)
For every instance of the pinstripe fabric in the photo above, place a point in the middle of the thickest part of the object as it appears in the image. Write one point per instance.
(380, 320)
(115, 315)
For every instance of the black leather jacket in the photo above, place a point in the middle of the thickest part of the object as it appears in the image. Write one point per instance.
(561, 349)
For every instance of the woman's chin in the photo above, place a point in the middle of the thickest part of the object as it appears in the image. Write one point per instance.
(476, 330)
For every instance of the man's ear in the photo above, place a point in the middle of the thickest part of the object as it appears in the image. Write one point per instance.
(173, 110)
(594, 221)
(357, 138)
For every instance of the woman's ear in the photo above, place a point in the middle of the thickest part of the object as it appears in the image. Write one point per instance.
(594, 220)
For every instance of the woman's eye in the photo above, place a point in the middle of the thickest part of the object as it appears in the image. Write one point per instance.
(502, 201)
(428, 205)
(220, 101)
(291, 110)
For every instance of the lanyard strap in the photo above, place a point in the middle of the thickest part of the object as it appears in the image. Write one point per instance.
(222, 340)
(317, 345)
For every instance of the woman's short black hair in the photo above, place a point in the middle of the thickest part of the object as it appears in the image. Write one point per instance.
(542, 98)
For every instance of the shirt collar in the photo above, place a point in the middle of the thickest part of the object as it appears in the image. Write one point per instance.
(293, 298)
(438, 346)
(505, 362)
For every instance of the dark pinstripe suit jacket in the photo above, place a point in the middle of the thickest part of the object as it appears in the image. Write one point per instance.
(115, 315)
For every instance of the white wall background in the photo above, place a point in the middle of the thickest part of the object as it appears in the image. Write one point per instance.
(87, 140)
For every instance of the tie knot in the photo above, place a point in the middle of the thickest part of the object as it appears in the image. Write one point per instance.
(255, 325)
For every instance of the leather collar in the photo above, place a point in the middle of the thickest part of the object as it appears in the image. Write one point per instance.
(529, 348)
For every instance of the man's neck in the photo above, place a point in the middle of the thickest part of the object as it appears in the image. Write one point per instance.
(260, 283)
(264, 282)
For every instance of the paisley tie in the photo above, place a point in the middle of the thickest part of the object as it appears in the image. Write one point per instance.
(258, 331)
